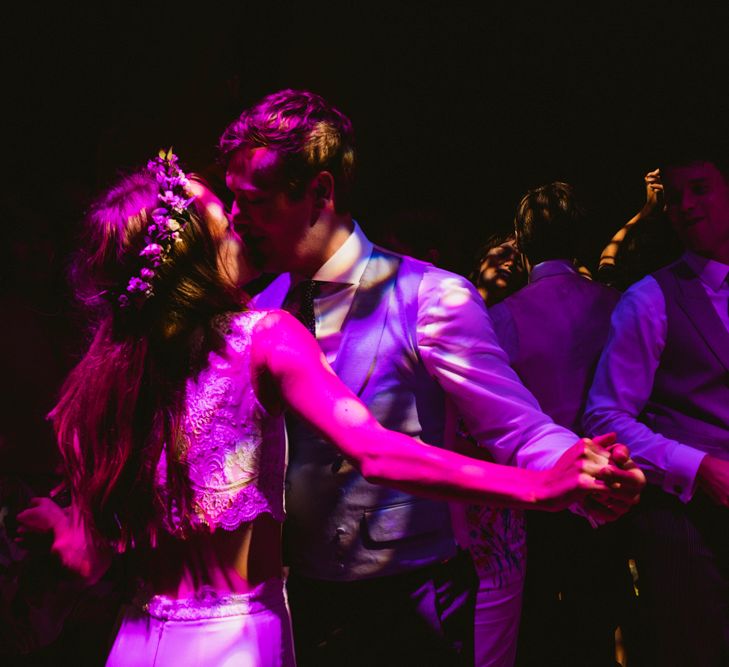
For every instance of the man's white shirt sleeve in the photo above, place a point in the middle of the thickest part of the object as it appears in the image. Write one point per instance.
(460, 350)
(623, 384)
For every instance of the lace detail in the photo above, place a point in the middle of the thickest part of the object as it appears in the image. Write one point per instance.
(234, 451)
(208, 603)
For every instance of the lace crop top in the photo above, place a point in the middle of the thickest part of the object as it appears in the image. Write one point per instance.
(233, 450)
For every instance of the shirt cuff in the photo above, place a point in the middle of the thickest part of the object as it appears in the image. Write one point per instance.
(680, 479)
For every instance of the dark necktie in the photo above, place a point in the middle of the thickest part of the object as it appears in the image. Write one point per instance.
(300, 303)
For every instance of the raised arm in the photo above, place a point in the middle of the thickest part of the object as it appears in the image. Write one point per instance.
(653, 203)
(292, 372)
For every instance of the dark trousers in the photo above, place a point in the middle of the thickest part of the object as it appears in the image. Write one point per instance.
(682, 555)
(576, 592)
(423, 617)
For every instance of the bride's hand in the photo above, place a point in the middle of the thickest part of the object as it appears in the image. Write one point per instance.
(73, 543)
(573, 477)
(42, 516)
(594, 478)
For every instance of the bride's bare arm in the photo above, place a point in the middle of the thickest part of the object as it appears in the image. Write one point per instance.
(290, 368)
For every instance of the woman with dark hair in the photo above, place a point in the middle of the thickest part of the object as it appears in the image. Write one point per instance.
(172, 434)
(499, 270)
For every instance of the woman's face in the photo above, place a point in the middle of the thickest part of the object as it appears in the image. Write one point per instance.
(502, 267)
(233, 260)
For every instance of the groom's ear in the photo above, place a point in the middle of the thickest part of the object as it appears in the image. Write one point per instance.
(322, 187)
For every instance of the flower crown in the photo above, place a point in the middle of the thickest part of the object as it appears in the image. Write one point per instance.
(168, 221)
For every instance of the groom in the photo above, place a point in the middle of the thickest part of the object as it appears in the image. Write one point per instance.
(375, 575)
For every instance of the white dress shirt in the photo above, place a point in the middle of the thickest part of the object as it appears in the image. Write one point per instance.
(458, 346)
(624, 377)
(342, 271)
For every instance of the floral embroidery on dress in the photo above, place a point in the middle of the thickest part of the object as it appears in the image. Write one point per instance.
(234, 450)
(495, 538)
(243, 461)
(205, 405)
(497, 543)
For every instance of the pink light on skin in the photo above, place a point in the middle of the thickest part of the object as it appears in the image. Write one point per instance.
(284, 233)
(271, 224)
(285, 356)
(233, 258)
(286, 363)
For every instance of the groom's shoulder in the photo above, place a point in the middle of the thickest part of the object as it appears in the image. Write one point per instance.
(413, 265)
(437, 278)
(429, 285)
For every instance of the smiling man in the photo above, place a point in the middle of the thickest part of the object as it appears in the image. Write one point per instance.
(663, 385)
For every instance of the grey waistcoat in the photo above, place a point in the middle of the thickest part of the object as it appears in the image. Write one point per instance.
(690, 397)
(340, 527)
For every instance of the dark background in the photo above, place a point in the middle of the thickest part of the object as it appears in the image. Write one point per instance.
(458, 108)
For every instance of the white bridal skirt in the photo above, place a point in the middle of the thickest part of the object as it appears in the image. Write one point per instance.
(250, 629)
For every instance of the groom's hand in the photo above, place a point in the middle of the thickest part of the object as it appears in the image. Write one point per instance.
(624, 480)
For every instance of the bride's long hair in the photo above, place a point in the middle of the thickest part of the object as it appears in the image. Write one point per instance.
(123, 400)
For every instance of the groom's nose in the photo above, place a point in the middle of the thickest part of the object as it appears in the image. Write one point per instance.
(237, 214)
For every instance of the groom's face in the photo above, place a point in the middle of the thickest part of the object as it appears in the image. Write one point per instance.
(271, 224)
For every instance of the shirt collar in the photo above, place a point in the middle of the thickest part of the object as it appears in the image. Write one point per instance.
(711, 272)
(551, 267)
(348, 263)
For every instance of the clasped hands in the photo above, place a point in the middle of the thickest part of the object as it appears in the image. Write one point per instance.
(608, 481)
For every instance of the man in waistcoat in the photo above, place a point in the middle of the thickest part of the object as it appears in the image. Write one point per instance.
(663, 385)
(553, 331)
(375, 577)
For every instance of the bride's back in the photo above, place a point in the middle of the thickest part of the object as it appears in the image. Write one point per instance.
(229, 466)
